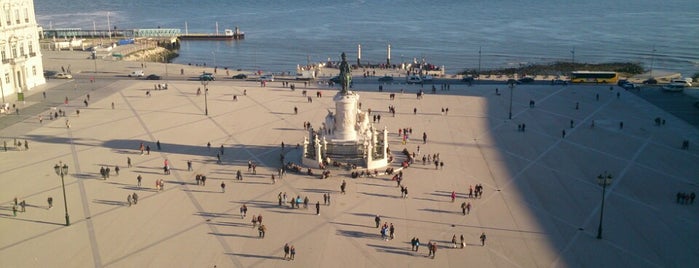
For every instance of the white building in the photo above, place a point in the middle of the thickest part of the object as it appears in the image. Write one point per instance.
(22, 68)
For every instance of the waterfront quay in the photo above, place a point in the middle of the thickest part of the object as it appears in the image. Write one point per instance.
(540, 206)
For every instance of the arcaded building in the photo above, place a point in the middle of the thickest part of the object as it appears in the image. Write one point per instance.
(22, 68)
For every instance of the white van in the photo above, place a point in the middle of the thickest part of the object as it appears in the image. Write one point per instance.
(414, 79)
(138, 73)
(685, 82)
(268, 78)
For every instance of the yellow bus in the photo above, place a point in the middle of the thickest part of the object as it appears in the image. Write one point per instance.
(593, 77)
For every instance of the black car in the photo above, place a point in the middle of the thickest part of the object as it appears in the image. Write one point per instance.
(386, 79)
(153, 77)
(650, 81)
(525, 80)
(240, 76)
(467, 79)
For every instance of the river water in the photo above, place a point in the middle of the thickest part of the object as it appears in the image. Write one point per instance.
(454, 33)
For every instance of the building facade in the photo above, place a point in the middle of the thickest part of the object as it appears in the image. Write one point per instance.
(22, 68)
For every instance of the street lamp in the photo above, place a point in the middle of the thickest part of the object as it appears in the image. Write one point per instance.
(62, 170)
(603, 180)
(512, 86)
(206, 92)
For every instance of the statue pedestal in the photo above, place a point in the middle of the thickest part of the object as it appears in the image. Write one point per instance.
(345, 117)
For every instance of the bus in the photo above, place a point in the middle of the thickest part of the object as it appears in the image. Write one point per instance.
(593, 77)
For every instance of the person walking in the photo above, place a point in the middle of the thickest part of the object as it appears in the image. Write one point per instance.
(343, 186)
(138, 179)
(317, 207)
(50, 201)
(223, 187)
(135, 198)
(14, 210)
(463, 242)
(128, 162)
(429, 247)
(391, 231)
(262, 229)
(23, 205)
(287, 249)
(254, 221)
(377, 219)
(483, 239)
(463, 208)
(189, 165)
(292, 252)
(434, 250)
(129, 200)
(417, 244)
(453, 241)
(453, 196)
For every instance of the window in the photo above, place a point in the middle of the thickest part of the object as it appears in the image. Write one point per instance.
(14, 50)
(17, 16)
(3, 54)
(31, 48)
(7, 16)
(34, 70)
(26, 15)
(21, 49)
(7, 78)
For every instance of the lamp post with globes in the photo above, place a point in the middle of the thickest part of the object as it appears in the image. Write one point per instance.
(62, 170)
(204, 83)
(603, 180)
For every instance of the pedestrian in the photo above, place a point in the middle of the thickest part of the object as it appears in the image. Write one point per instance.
(23, 205)
(453, 241)
(292, 252)
(463, 208)
(392, 231)
(157, 145)
(148, 149)
(50, 201)
(189, 165)
(129, 199)
(221, 149)
(434, 250)
(342, 187)
(223, 187)
(286, 251)
(417, 244)
(482, 239)
(563, 133)
(243, 211)
(138, 179)
(621, 125)
(273, 179)
(262, 229)
(429, 247)
(254, 221)
(135, 198)
(463, 242)
(377, 219)
(116, 169)
(14, 210)
(453, 196)
(259, 218)
(412, 244)
(318, 208)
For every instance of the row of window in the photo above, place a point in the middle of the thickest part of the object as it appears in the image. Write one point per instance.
(7, 75)
(14, 50)
(7, 19)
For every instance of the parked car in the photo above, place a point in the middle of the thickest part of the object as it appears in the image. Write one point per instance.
(559, 82)
(62, 76)
(414, 79)
(525, 80)
(138, 73)
(650, 81)
(207, 77)
(386, 79)
(468, 79)
(153, 77)
(240, 76)
(268, 78)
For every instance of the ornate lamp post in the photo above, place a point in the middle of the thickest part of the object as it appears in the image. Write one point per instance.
(603, 180)
(512, 86)
(62, 170)
(206, 92)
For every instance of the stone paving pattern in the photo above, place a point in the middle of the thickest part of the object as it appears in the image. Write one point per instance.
(540, 207)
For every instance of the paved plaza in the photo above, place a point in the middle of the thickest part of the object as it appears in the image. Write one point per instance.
(540, 207)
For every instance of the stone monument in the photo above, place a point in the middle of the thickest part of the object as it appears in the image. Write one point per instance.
(347, 136)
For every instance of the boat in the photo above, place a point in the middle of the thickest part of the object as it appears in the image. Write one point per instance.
(228, 34)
